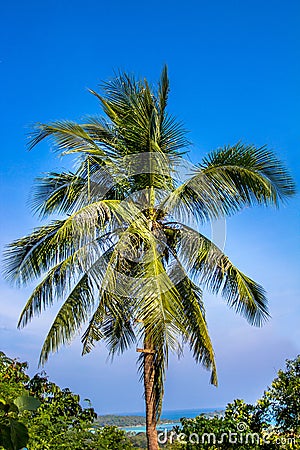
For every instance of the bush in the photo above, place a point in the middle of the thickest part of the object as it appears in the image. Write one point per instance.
(50, 417)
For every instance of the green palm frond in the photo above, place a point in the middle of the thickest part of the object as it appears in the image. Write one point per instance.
(28, 258)
(163, 93)
(159, 307)
(93, 332)
(116, 289)
(196, 198)
(158, 303)
(131, 114)
(84, 225)
(215, 272)
(57, 280)
(248, 174)
(57, 193)
(62, 278)
(141, 121)
(121, 92)
(68, 192)
(74, 312)
(197, 336)
(191, 312)
(173, 136)
(228, 180)
(117, 328)
(69, 137)
(111, 322)
(104, 134)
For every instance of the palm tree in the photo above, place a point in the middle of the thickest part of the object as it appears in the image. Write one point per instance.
(124, 256)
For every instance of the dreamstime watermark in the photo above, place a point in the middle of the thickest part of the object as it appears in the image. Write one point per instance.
(237, 437)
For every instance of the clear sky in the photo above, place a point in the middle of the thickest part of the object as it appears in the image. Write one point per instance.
(235, 75)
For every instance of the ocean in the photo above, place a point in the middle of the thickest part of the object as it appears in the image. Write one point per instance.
(172, 415)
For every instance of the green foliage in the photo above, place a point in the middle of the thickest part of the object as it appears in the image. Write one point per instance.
(273, 423)
(14, 399)
(281, 402)
(111, 438)
(77, 438)
(60, 419)
(138, 440)
(27, 403)
(245, 413)
(13, 433)
(214, 433)
(47, 417)
(12, 377)
(120, 421)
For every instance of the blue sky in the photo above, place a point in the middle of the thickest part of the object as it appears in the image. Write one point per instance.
(235, 69)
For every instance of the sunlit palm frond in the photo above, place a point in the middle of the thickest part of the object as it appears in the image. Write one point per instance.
(57, 280)
(163, 92)
(129, 106)
(248, 175)
(29, 257)
(216, 272)
(68, 192)
(194, 329)
(117, 328)
(158, 306)
(193, 318)
(69, 137)
(116, 289)
(112, 323)
(104, 134)
(93, 332)
(196, 198)
(74, 312)
(120, 92)
(112, 319)
(228, 180)
(63, 277)
(173, 136)
(142, 124)
(57, 193)
(157, 300)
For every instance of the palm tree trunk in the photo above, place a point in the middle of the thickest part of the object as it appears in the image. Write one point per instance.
(149, 373)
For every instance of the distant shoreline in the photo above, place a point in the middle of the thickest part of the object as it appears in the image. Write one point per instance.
(134, 422)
